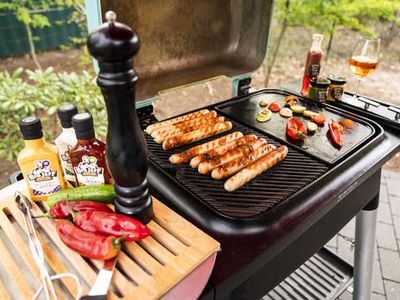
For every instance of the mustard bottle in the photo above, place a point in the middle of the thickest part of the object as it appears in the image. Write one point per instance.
(39, 161)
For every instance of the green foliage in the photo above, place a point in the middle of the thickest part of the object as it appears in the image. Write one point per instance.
(40, 94)
(328, 15)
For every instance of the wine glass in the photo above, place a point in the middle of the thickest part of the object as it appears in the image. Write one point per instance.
(364, 60)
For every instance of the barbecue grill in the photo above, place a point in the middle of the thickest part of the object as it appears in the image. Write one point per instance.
(272, 225)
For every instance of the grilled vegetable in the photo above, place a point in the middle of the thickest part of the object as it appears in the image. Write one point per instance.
(88, 244)
(311, 126)
(291, 100)
(309, 113)
(336, 132)
(263, 103)
(101, 193)
(318, 119)
(274, 106)
(296, 129)
(297, 109)
(286, 112)
(264, 115)
(111, 224)
(62, 210)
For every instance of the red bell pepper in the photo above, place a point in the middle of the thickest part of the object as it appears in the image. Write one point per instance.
(111, 224)
(336, 132)
(88, 244)
(62, 210)
(296, 129)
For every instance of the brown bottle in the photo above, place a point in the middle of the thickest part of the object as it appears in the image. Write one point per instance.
(88, 157)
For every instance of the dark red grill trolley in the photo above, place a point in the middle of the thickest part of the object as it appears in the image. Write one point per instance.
(278, 221)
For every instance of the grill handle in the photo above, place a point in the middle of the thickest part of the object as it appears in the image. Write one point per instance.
(114, 44)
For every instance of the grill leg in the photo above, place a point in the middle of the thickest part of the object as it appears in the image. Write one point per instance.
(364, 250)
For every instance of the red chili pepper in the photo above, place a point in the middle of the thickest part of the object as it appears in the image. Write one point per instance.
(62, 209)
(274, 106)
(336, 132)
(296, 129)
(318, 119)
(111, 224)
(88, 244)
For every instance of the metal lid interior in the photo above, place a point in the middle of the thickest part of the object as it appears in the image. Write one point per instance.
(184, 41)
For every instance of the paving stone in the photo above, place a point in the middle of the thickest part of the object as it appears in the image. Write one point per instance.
(376, 296)
(392, 290)
(349, 229)
(383, 194)
(385, 236)
(377, 281)
(393, 186)
(346, 296)
(390, 264)
(396, 221)
(332, 242)
(384, 213)
(344, 251)
(394, 203)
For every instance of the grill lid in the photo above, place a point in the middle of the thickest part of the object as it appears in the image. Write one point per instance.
(188, 41)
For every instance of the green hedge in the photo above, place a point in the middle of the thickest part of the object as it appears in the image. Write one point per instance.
(14, 40)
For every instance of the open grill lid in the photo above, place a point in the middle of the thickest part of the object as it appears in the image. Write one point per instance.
(187, 41)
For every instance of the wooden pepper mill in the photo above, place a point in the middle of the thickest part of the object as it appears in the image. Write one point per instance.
(113, 45)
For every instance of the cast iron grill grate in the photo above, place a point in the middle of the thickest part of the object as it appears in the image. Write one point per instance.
(258, 196)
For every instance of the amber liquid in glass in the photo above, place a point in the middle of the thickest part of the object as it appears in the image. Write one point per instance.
(361, 66)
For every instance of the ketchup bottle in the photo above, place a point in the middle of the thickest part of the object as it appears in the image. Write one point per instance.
(88, 157)
(313, 63)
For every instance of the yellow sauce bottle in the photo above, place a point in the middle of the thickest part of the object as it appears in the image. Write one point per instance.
(39, 161)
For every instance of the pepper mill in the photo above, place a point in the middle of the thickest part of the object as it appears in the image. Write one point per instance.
(114, 44)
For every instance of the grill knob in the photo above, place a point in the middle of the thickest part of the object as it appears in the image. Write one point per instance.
(114, 44)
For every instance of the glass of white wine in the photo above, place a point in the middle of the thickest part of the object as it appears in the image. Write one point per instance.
(364, 59)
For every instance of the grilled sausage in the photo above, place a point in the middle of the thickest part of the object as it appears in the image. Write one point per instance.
(160, 137)
(256, 168)
(236, 165)
(149, 129)
(181, 125)
(185, 156)
(207, 166)
(197, 135)
(194, 163)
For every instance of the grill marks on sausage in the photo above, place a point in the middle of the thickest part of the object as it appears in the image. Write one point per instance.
(244, 157)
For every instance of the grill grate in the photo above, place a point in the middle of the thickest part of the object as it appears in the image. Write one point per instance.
(259, 195)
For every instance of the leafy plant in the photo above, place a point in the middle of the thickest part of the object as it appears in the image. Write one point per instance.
(40, 94)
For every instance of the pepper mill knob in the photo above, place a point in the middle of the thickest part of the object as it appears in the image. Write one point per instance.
(114, 44)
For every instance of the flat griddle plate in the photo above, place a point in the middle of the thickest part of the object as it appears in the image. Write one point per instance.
(319, 144)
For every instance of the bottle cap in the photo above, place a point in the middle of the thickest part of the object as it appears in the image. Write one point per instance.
(83, 125)
(337, 79)
(31, 128)
(320, 82)
(65, 113)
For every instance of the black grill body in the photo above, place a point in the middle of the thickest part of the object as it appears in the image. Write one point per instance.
(270, 233)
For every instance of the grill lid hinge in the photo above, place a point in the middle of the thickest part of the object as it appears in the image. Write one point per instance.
(243, 86)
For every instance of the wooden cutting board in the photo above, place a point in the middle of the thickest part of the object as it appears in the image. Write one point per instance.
(147, 269)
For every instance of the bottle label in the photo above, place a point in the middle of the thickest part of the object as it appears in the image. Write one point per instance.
(336, 93)
(322, 96)
(88, 172)
(313, 70)
(66, 163)
(43, 179)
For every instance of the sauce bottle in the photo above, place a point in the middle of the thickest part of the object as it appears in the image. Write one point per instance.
(39, 162)
(66, 140)
(88, 157)
(313, 63)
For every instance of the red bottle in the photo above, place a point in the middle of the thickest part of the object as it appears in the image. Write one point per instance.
(88, 157)
(313, 63)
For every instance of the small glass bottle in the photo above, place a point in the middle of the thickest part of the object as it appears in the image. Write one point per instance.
(336, 88)
(88, 157)
(66, 140)
(313, 63)
(39, 162)
(319, 90)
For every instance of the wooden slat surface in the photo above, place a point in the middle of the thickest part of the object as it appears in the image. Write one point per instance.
(145, 270)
